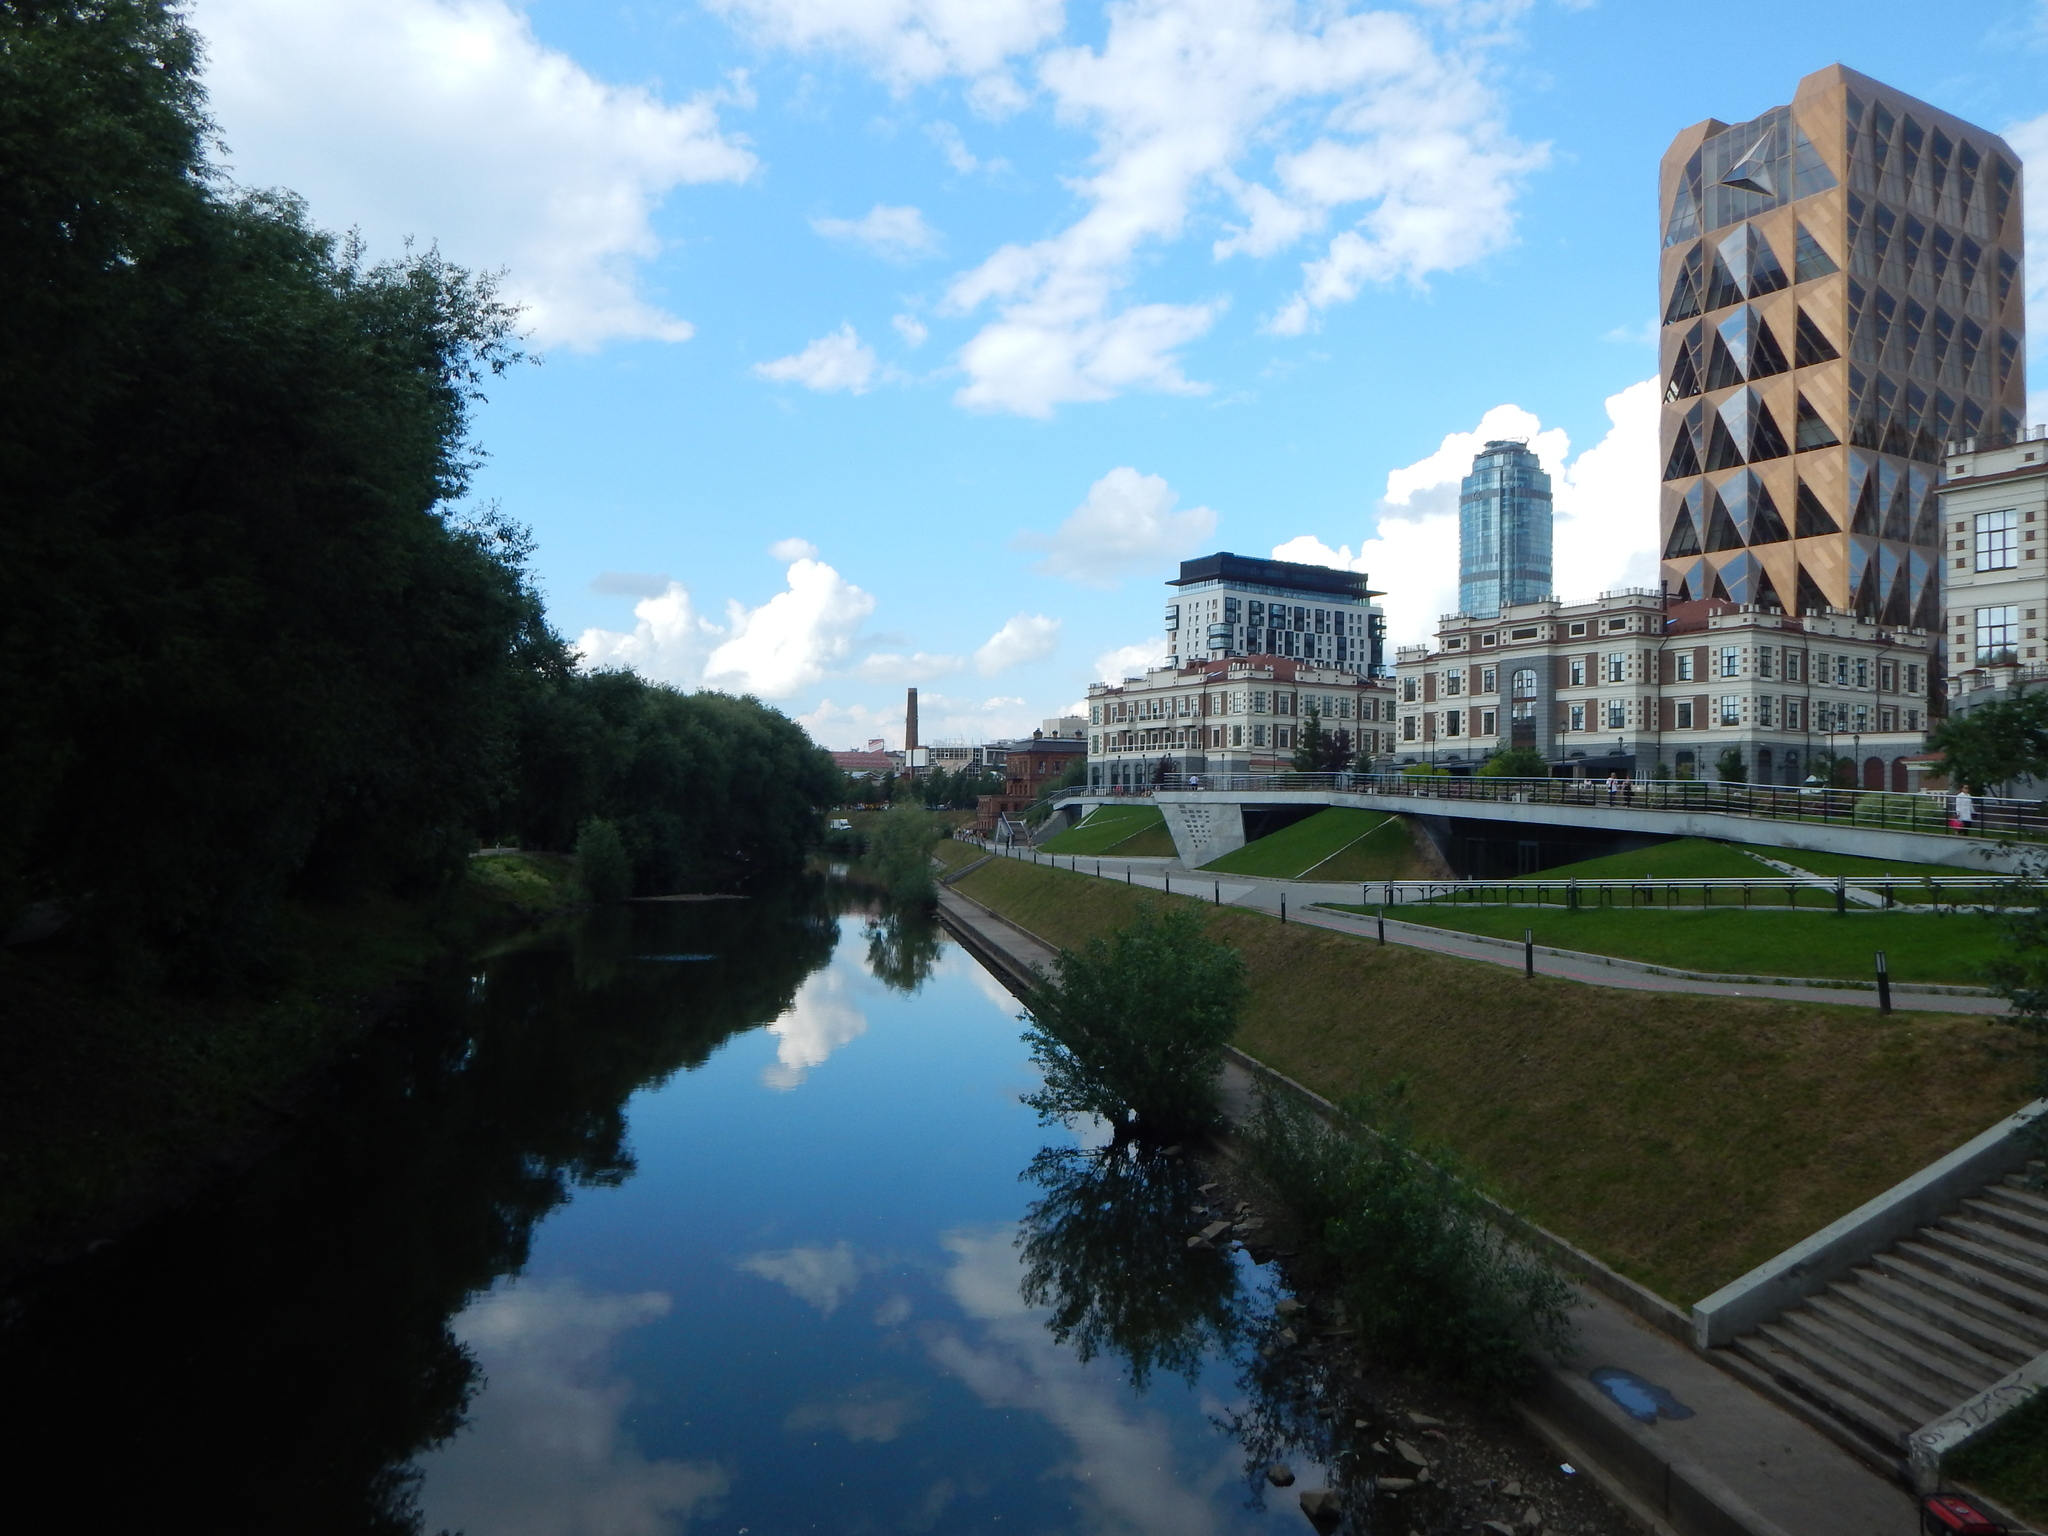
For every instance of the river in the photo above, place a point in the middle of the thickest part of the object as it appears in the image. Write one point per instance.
(718, 1217)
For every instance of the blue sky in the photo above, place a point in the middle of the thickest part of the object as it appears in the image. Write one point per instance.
(914, 341)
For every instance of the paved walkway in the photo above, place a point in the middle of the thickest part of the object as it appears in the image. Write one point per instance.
(1716, 1460)
(1303, 898)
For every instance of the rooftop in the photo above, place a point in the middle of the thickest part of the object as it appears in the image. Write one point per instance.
(1225, 566)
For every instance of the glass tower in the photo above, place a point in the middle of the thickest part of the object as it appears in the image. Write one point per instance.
(1503, 530)
(1841, 296)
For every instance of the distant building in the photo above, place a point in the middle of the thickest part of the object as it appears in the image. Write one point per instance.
(1223, 718)
(1228, 606)
(1640, 685)
(869, 764)
(1994, 515)
(1503, 530)
(1030, 769)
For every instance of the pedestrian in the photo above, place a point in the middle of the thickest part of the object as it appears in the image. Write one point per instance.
(1966, 811)
(1628, 791)
(1613, 787)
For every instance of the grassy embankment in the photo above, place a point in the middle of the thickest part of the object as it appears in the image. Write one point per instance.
(1700, 858)
(1127, 831)
(1681, 1139)
(1336, 844)
(109, 1095)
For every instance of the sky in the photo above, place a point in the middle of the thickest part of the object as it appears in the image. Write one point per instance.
(914, 342)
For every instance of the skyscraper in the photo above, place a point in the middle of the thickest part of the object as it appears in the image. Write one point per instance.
(1503, 530)
(1841, 291)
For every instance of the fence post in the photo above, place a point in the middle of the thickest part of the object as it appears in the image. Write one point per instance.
(1884, 985)
(1383, 925)
(1283, 906)
(1528, 951)
(1841, 895)
(1219, 893)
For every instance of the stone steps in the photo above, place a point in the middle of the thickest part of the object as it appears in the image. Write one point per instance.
(1919, 1328)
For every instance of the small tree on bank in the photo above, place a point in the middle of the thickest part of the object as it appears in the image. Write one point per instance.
(1996, 743)
(602, 868)
(900, 843)
(1132, 1028)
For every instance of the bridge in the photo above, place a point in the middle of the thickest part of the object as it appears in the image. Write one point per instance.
(1515, 826)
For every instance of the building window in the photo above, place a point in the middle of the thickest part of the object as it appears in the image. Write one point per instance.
(1997, 540)
(1282, 736)
(1912, 719)
(1454, 720)
(1486, 725)
(1912, 678)
(1258, 735)
(1860, 718)
(1731, 709)
(1793, 711)
(1763, 661)
(1486, 639)
(1888, 677)
(1577, 672)
(1407, 727)
(1862, 672)
(1407, 690)
(1617, 715)
(1524, 683)
(1259, 708)
(1454, 684)
(1095, 714)
(1487, 684)
(1684, 668)
(1763, 711)
(1887, 719)
(1577, 630)
(1841, 671)
(1996, 634)
(1617, 666)
(1684, 713)
(1731, 661)
(1578, 718)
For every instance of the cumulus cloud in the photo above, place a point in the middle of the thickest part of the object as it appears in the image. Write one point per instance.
(789, 643)
(1128, 522)
(545, 1448)
(449, 121)
(874, 1410)
(787, 550)
(822, 1017)
(911, 329)
(898, 667)
(911, 42)
(819, 1277)
(1604, 502)
(897, 233)
(958, 155)
(1182, 97)
(1026, 637)
(835, 361)
(1132, 660)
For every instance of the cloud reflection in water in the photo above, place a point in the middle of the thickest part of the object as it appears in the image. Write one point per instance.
(822, 1018)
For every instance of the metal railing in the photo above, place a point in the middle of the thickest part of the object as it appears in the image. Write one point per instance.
(1839, 893)
(1874, 809)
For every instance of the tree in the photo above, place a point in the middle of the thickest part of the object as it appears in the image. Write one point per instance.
(1730, 766)
(900, 843)
(1515, 763)
(1996, 742)
(1132, 1028)
(1308, 742)
(602, 868)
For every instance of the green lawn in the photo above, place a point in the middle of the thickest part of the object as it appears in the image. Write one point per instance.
(1136, 830)
(1700, 858)
(1919, 946)
(1869, 869)
(1330, 843)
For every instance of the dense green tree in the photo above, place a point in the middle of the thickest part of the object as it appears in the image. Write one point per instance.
(1730, 766)
(1996, 742)
(900, 843)
(1514, 763)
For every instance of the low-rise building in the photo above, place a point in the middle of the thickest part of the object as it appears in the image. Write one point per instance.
(1994, 525)
(1030, 769)
(1643, 686)
(1227, 717)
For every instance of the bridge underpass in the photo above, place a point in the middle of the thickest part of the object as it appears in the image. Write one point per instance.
(1484, 837)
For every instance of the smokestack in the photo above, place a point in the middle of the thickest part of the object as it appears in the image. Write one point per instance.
(910, 723)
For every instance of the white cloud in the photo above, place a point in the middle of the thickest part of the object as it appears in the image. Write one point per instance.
(789, 643)
(895, 667)
(911, 329)
(870, 1411)
(544, 1449)
(1024, 638)
(449, 121)
(834, 361)
(958, 155)
(1180, 96)
(822, 1017)
(1603, 534)
(911, 42)
(820, 1277)
(1127, 523)
(897, 233)
(1129, 661)
(787, 550)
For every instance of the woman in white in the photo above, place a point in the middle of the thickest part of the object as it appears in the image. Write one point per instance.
(1966, 810)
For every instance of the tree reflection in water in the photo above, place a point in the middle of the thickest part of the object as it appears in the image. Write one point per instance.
(273, 1357)
(1107, 1250)
(904, 939)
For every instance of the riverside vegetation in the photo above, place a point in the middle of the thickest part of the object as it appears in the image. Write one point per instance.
(267, 677)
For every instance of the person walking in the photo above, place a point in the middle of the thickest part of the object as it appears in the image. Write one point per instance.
(1966, 810)
(1613, 787)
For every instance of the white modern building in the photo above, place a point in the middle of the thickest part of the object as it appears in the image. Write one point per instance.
(1994, 523)
(1229, 606)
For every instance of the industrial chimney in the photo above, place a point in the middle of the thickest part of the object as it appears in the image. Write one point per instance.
(910, 728)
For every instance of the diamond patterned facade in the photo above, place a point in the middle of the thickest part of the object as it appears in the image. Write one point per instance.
(1841, 283)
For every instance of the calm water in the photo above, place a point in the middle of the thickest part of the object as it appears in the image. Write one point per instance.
(714, 1218)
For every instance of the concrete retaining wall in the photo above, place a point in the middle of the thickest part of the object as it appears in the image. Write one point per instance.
(1839, 1247)
(1958, 1427)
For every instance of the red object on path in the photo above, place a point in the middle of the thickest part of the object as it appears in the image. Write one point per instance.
(1948, 1513)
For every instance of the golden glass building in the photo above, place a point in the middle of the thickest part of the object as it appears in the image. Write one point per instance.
(1842, 294)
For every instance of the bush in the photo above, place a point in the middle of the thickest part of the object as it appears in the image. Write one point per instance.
(900, 843)
(1515, 763)
(1424, 771)
(1427, 1277)
(1730, 766)
(602, 868)
(1132, 1029)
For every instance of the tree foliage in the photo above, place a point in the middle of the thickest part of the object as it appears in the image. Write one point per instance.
(1515, 763)
(900, 843)
(246, 649)
(1132, 1028)
(1317, 750)
(1997, 742)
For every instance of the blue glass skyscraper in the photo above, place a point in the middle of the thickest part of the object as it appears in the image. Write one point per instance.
(1503, 530)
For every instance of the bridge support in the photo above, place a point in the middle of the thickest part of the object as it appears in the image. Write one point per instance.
(1203, 829)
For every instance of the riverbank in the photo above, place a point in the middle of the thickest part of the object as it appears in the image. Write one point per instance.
(1681, 1139)
(119, 1100)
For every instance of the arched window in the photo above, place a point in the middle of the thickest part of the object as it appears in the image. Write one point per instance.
(1524, 683)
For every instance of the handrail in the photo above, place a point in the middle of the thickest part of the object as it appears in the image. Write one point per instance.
(1875, 809)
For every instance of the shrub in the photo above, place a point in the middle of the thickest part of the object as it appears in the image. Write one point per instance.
(1132, 1029)
(1515, 763)
(900, 843)
(602, 868)
(1426, 1276)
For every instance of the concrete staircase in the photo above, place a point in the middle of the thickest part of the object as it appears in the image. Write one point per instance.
(1916, 1331)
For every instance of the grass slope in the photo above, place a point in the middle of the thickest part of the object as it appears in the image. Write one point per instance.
(1918, 946)
(1118, 829)
(1700, 858)
(1384, 852)
(1684, 1140)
